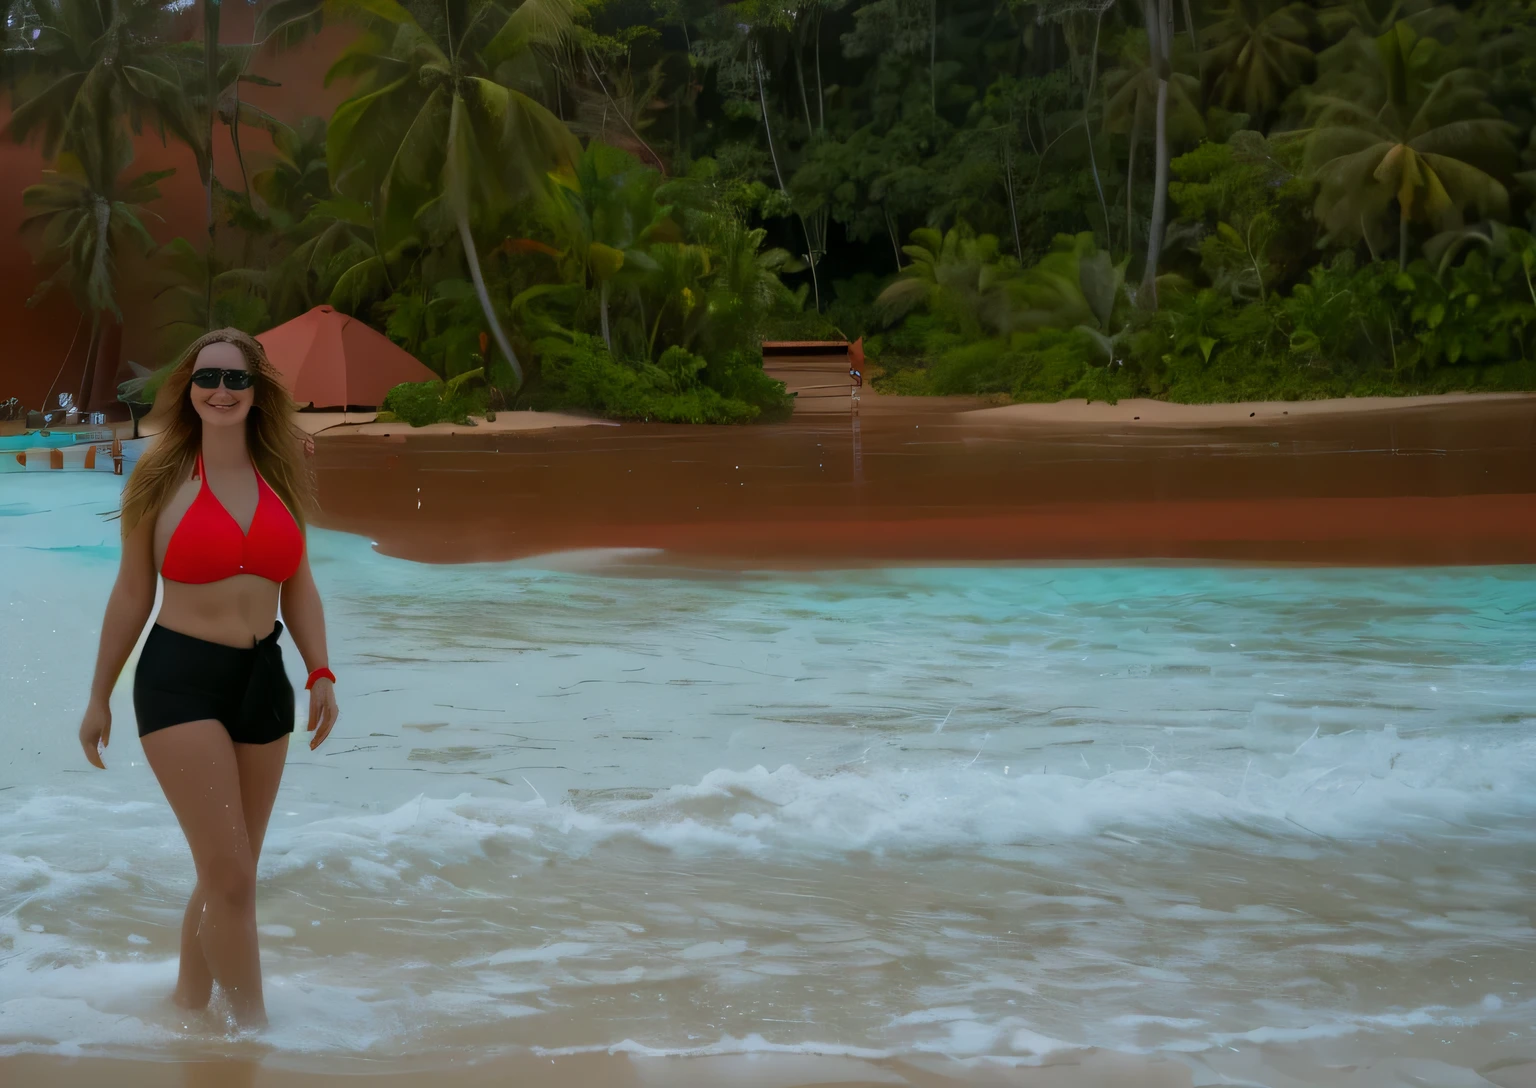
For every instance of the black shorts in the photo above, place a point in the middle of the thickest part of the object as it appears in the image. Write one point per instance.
(185, 679)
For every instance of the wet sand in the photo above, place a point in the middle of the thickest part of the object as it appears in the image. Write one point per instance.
(1076, 1069)
(1443, 484)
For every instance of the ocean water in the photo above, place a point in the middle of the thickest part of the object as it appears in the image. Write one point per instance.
(1273, 822)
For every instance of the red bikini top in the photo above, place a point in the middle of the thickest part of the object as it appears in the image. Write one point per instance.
(208, 545)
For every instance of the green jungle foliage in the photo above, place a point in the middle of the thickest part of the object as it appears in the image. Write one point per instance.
(453, 401)
(606, 205)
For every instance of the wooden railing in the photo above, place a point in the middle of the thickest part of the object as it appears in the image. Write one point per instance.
(805, 347)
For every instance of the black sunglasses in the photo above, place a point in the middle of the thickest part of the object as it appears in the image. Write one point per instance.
(209, 378)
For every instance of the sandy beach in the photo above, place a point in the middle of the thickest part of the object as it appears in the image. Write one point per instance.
(1078, 413)
(973, 411)
(343, 424)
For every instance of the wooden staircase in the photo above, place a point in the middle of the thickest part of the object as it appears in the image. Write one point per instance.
(816, 371)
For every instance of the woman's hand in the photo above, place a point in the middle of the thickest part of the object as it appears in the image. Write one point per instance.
(322, 711)
(96, 732)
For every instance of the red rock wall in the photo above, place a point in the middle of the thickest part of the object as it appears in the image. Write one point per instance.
(43, 348)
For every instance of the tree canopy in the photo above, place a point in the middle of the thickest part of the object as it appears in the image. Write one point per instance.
(611, 202)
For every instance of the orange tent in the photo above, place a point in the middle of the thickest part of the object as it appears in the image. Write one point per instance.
(330, 360)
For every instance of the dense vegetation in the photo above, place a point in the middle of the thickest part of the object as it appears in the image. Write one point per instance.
(608, 204)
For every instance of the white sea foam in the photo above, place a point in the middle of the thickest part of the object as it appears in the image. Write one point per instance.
(977, 813)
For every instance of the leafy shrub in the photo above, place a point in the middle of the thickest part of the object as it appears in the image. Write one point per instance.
(580, 373)
(738, 375)
(422, 403)
(416, 403)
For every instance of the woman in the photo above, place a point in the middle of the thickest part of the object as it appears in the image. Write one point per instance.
(216, 508)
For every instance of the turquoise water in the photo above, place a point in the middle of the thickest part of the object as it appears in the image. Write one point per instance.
(1259, 819)
(35, 439)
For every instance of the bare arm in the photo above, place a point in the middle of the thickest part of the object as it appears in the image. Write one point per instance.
(305, 617)
(128, 609)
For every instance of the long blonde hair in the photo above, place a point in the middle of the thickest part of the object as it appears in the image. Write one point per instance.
(272, 435)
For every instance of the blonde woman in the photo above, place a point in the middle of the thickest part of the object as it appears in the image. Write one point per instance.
(216, 508)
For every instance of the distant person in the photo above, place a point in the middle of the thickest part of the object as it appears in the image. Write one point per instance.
(855, 371)
(216, 507)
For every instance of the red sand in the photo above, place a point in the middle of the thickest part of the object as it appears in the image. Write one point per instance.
(1452, 484)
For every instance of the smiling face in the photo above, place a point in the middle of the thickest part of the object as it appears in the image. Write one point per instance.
(221, 406)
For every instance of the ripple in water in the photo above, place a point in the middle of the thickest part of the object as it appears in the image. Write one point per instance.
(1251, 818)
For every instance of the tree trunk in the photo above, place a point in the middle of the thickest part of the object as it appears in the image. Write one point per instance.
(1158, 222)
(87, 379)
(810, 259)
(821, 100)
(1130, 178)
(102, 392)
(933, 55)
(1013, 211)
(602, 295)
(234, 138)
(1093, 163)
(1157, 41)
(472, 258)
(661, 166)
(891, 228)
(762, 96)
(805, 101)
(1402, 240)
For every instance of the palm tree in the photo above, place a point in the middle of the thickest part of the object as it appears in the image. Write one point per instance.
(192, 294)
(608, 213)
(1399, 133)
(89, 60)
(228, 108)
(957, 275)
(1133, 88)
(1075, 285)
(1373, 18)
(617, 110)
(335, 260)
(328, 241)
(744, 284)
(1257, 53)
(86, 214)
(297, 180)
(433, 126)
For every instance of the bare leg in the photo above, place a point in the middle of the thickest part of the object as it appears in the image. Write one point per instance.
(195, 764)
(194, 981)
(261, 771)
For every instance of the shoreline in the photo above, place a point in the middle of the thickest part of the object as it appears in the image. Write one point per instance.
(354, 424)
(1075, 415)
(1158, 413)
(1066, 414)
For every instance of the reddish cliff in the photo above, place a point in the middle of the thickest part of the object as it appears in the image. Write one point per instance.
(44, 347)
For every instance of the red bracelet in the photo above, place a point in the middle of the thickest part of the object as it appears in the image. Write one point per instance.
(321, 673)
